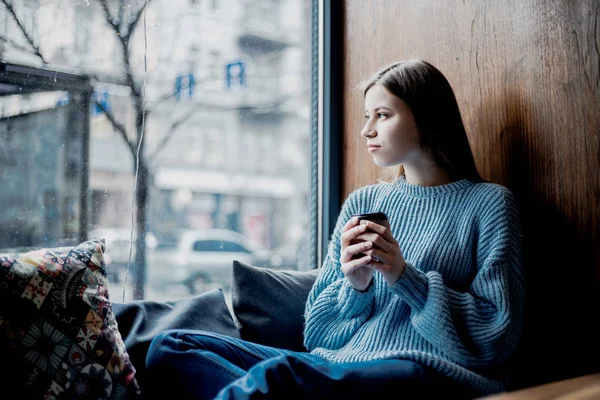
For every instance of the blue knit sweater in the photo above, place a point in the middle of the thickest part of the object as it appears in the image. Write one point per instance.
(458, 306)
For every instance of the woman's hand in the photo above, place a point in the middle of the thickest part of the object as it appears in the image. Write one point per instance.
(386, 256)
(353, 258)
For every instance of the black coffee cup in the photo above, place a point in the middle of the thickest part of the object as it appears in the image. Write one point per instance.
(377, 217)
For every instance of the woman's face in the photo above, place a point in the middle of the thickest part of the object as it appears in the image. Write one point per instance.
(391, 133)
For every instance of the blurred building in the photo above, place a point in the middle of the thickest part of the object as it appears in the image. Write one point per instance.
(227, 83)
(241, 159)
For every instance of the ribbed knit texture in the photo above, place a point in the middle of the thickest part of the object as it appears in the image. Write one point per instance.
(458, 307)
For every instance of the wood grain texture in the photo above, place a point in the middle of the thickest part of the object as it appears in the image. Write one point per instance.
(580, 388)
(527, 78)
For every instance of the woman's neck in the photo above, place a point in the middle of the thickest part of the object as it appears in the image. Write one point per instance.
(429, 175)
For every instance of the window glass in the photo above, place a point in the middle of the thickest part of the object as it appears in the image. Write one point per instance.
(151, 123)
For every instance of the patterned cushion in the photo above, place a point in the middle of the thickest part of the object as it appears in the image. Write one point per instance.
(58, 334)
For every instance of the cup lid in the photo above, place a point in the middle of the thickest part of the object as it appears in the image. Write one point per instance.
(376, 216)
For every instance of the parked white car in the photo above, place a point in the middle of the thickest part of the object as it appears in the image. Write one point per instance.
(199, 258)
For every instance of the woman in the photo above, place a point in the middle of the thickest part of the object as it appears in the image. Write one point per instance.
(432, 305)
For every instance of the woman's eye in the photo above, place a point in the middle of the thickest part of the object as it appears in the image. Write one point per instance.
(366, 116)
(381, 115)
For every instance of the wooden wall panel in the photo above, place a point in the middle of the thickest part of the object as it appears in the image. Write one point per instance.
(527, 78)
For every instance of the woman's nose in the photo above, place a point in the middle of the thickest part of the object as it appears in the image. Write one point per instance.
(368, 131)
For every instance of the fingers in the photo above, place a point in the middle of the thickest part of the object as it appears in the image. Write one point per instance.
(349, 267)
(378, 256)
(352, 233)
(350, 251)
(351, 222)
(378, 241)
(380, 229)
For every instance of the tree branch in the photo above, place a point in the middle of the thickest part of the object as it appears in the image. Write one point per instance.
(204, 107)
(131, 27)
(170, 133)
(108, 18)
(17, 45)
(135, 90)
(36, 49)
(118, 127)
(169, 96)
(135, 93)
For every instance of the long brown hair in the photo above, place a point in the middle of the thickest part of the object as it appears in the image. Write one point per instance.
(430, 98)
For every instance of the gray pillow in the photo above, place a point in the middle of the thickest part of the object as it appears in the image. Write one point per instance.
(140, 321)
(269, 304)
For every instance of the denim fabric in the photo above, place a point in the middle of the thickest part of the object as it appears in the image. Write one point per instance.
(197, 364)
(206, 365)
(290, 377)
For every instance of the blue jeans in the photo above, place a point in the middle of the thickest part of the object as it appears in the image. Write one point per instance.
(206, 365)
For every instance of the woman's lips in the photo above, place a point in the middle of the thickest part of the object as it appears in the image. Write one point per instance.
(373, 148)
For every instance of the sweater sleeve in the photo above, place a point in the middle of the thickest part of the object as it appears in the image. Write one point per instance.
(334, 309)
(482, 326)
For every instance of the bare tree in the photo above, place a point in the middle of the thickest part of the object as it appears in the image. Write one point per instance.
(124, 29)
(33, 46)
(124, 26)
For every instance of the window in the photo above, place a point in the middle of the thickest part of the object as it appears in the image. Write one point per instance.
(194, 57)
(151, 118)
(223, 246)
(214, 64)
(262, 12)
